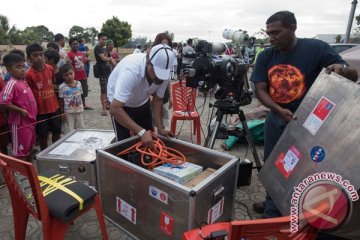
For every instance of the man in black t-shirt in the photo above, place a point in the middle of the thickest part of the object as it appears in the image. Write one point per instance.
(103, 66)
(283, 75)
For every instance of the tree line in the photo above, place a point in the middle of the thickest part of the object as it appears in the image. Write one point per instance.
(119, 31)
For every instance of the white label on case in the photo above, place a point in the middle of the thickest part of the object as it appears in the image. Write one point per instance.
(216, 211)
(158, 194)
(126, 210)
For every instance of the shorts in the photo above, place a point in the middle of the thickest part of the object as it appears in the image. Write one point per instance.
(4, 136)
(103, 84)
(85, 87)
(52, 124)
(22, 139)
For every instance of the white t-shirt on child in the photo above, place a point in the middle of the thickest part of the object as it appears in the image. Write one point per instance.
(72, 97)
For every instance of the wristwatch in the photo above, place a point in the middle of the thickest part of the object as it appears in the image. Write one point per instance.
(141, 132)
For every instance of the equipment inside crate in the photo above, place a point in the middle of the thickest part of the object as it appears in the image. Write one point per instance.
(165, 161)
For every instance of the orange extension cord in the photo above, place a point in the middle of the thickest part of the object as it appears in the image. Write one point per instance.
(160, 153)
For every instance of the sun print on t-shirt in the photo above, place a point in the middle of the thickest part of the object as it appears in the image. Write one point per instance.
(287, 83)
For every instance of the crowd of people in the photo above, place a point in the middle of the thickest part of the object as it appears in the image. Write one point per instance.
(54, 89)
(51, 86)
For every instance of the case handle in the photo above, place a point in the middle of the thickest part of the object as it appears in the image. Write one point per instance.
(64, 168)
(218, 194)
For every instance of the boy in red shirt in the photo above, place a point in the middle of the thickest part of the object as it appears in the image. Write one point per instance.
(18, 98)
(41, 80)
(78, 60)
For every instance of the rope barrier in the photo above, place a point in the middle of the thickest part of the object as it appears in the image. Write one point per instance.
(44, 120)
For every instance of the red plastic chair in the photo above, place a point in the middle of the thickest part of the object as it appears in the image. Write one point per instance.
(52, 228)
(261, 229)
(184, 108)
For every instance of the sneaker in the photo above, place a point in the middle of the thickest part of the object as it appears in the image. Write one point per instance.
(259, 207)
(104, 113)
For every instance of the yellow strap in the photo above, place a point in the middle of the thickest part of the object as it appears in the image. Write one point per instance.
(57, 178)
(64, 189)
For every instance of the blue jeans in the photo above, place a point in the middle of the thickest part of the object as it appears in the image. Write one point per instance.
(274, 127)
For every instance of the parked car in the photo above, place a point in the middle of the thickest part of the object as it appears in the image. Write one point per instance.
(352, 57)
(340, 47)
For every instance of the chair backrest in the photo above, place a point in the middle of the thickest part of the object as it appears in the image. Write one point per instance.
(260, 229)
(183, 97)
(15, 171)
(272, 228)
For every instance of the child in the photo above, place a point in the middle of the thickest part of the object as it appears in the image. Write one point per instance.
(78, 60)
(40, 78)
(21, 53)
(18, 98)
(4, 136)
(70, 99)
(52, 57)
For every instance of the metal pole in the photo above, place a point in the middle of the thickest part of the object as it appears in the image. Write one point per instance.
(351, 19)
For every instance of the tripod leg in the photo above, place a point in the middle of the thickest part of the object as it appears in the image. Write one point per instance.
(210, 139)
(249, 139)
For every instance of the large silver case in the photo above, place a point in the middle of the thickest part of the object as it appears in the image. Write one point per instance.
(74, 155)
(339, 136)
(188, 208)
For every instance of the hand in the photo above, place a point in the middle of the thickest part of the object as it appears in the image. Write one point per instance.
(147, 140)
(286, 114)
(24, 113)
(164, 132)
(336, 68)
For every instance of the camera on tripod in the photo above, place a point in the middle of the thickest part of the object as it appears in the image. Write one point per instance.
(209, 68)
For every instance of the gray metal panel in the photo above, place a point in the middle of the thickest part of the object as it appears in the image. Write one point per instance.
(80, 163)
(87, 141)
(339, 136)
(119, 178)
(81, 171)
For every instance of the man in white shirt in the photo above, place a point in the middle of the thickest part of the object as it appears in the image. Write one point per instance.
(59, 39)
(131, 83)
(137, 49)
(188, 50)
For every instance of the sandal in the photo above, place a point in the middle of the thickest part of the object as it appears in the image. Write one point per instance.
(104, 113)
(88, 108)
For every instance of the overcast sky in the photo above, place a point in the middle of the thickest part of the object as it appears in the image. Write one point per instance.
(205, 19)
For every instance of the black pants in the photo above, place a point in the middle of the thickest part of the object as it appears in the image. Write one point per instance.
(141, 115)
(179, 66)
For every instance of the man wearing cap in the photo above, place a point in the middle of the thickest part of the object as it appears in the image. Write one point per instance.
(131, 83)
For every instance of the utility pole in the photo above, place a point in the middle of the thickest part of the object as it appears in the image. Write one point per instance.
(351, 19)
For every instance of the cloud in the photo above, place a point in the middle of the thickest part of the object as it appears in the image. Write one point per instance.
(186, 18)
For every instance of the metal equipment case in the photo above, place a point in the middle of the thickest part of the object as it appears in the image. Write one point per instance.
(323, 139)
(150, 206)
(74, 154)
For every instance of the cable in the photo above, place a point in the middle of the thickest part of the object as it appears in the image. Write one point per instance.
(160, 154)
